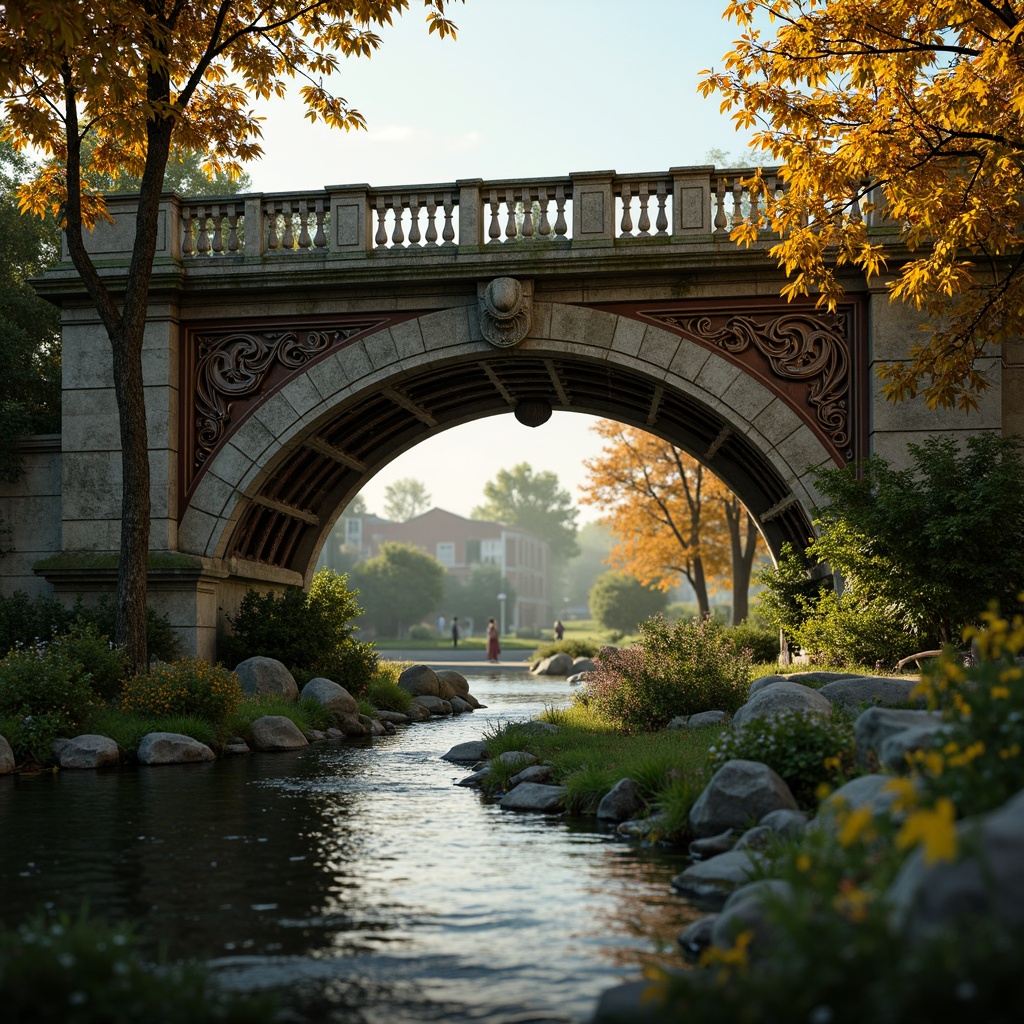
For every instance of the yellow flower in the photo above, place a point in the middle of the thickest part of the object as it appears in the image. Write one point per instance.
(1011, 751)
(934, 829)
(905, 790)
(728, 959)
(803, 863)
(854, 824)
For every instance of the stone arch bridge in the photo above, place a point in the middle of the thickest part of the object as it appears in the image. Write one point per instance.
(296, 343)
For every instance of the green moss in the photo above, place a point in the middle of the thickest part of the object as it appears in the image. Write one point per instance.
(109, 560)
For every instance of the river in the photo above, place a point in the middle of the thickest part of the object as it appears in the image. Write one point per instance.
(356, 877)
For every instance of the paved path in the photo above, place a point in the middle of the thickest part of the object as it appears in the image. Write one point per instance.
(463, 660)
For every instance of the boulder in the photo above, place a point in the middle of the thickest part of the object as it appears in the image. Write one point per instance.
(559, 664)
(522, 758)
(648, 829)
(697, 937)
(581, 665)
(577, 678)
(276, 732)
(875, 726)
(266, 676)
(460, 706)
(172, 748)
(533, 773)
(535, 796)
(536, 726)
(6, 757)
(372, 726)
(744, 910)
(476, 779)
(90, 751)
(777, 698)
(863, 791)
(417, 712)
(467, 753)
(819, 678)
(622, 802)
(984, 882)
(760, 837)
(237, 747)
(717, 877)
(434, 705)
(456, 680)
(352, 726)
(738, 793)
(854, 691)
(445, 690)
(713, 846)
(472, 701)
(394, 717)
(786, 823)
(331, 696)
(706, 719)
(628, 1003)
(420, 681)
(760, 684)
(679, 722)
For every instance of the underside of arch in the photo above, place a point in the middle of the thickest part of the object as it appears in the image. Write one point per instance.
(284, 523)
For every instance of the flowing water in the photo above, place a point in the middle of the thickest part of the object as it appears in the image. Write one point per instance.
(356, 877)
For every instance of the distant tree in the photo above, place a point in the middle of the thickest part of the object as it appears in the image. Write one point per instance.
(185, 174)
(29, 326)
(405, 499)
(595, 543)
(399, 587)
(477, 597)
(622, 602)
(533, 502)
(356, 507)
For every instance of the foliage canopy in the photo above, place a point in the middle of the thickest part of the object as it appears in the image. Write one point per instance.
(400, 587)
(914, 111)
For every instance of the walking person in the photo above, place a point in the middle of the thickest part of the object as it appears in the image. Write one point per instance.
(493, 647)
(559, 629)
(455, 631)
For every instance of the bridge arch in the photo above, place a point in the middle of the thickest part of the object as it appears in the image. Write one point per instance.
(269, 493)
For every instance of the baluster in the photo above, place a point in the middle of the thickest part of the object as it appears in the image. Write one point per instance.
(626, 225)
(560, 225)
(381, 238)
(273, 241)
(304, 240)
(662, 220)
(544, 228)
(398, 235)
(737, 201)
(233, 230)
(644, 224)
(320, 238)
(527, 228)
(217, 219)
(186, 232)
(721, 220)
(414, 225)
(755, 213)
(510, 222)
(494, 230)
(203, 246)
(431, 235)
(448, 232)
(855, 214)
(288, 236)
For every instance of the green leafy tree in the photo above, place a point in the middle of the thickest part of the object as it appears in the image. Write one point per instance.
(533, 502)
(405, 499)
(789, 591)
(595, 544)
(477, 597)
(29, 326)
(620, 602)
(185, 174)
(936, 542)
(399, 587)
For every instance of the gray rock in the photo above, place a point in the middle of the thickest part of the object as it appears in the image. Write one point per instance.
(986, 881)
(467, 753)
(420, 681)
(333, 733)
(266, 676)
(6, 757)
(172, 748)
(679, 722)
(581, 665)
(460, 706)
(786, 823)
(331, 696)
(456, 680)
(434, 705)
(417, 712)
(760, 837)
(629, 1003)
(372, 726)
(647, 828)
(476, 779)
(745, 910)
(533, 773)
(276, 732)
(740, 792)
(237, 749)
(876, 725)
(697, 937)
(90, 751)
(622, 802)
(445, 690)
(865, 790)
(522, 758)
(712, 846)
(352, 726)
(472, 701)
(717, 877)
(819, 678)
(760, 684)
(394, 717)
(706, 719)
(777, 698)
(537, 727)
(851, 693)
(535, 796)
(557, 665)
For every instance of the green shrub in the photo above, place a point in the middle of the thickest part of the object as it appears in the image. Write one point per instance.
(677, 669)
(385, 693)
(763, 643)
(846, 631)
(788, 591)
(126, 729)
(423, 632)
(162, 642)
(307, 714)
(311, 633)
(574, 647)
(805, 750)
(619, 601)
(103, 661)
(366, 708)
(56, 969)
(189, 686)
(528, 633)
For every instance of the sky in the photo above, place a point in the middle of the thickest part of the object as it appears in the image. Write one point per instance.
(530, 88)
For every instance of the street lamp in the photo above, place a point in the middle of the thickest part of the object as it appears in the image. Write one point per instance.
(501, 598)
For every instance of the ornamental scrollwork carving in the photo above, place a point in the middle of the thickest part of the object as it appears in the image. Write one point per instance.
(800, 347)
(235, 365)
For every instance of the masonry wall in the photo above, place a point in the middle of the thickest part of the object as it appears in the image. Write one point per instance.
(30, 515)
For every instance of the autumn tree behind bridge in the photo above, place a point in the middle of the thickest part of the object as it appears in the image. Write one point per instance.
(672, 518)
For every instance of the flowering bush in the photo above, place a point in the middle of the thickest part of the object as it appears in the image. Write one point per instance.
(104, 661)
(189, 686)
(805, 750)
(676, 669)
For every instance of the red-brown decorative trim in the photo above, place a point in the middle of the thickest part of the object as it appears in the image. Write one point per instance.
(812, 359)
(229, 371)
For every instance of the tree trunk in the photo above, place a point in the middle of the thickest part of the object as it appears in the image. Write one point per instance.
(700, 586)
(743, 547)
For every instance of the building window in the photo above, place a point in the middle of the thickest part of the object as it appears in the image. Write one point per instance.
(446, 553)
(472, 551)
(490, 551)
(354, 533)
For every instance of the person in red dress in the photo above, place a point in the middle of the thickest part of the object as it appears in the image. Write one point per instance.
(493, 647)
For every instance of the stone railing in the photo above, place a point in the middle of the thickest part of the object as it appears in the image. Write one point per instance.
(596, 208)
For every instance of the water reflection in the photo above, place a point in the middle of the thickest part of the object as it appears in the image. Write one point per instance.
(357, 876)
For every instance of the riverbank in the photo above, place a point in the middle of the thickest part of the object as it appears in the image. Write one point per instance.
(464, 661)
